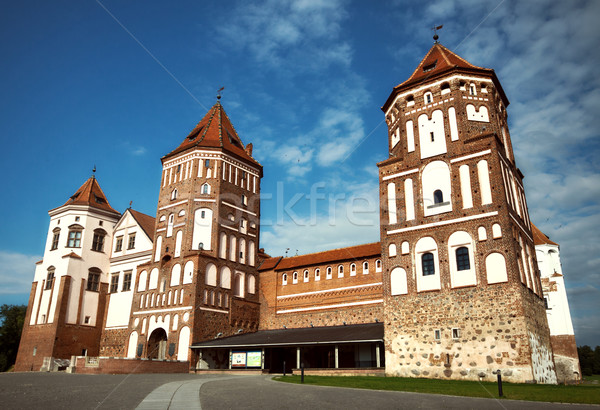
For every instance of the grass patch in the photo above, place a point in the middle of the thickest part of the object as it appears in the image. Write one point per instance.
(583, 393)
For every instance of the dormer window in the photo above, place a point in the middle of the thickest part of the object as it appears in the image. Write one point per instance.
(99, 200)
(429, 67)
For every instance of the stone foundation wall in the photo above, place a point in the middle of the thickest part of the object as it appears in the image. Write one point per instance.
(112, 365)
(493, 334)
(114, 342)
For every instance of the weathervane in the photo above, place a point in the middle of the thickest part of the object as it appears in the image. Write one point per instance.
(435, 36)
(94, 171)
(219, 92)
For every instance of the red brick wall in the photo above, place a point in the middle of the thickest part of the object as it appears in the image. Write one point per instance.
(130, 366)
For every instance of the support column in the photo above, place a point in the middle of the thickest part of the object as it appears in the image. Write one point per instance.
(336, 357)
(229, 359)
(297, 358)
(377, 355)
(262, 359)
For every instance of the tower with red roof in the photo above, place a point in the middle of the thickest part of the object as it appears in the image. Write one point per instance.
(202, 278)
(462, 296)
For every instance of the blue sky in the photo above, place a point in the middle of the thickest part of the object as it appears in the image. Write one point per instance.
(119, 84)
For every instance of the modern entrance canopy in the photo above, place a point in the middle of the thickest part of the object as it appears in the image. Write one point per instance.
(363, 333)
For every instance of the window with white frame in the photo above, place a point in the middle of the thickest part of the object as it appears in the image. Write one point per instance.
(317, 274)
(455, 333)
(340, 271)
(329, 273)
(284, 279)
(437, 334)
(428, 97)
(378, 267)
(295, 277)
(174, 194)
(353, 269)
(306, 275)
(365, 268)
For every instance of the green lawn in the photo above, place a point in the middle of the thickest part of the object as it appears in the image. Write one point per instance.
(583, 393)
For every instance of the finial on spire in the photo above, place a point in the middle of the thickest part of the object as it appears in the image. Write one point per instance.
(94, 171)
(435, 36)
(130, 203)
(219, 93)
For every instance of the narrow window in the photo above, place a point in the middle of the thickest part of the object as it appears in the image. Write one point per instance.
(131, 243)
(428, 265)
(437, 334)
(365, 268)
(174, 194)
(207, 163)
(55, 238)
(50, 278)
(472, 89)
(438, 196)
(432, 136)
(462, 258)
(295, 277)
(306, 276)
(244, 200)
(455, 333)
(98, 240)
(126, 281)
(114, 283)
(378, 265)
(93, 280)
(119, 244)
(341, 271)
(353, 269)
(317, 274)
(178, 168)
(284, 279)
(205, 189)
(329, 271)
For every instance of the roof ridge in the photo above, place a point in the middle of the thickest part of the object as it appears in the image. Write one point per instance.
(334, 249)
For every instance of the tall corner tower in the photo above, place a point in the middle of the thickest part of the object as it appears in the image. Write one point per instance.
(202, 280)
(66, 306)
(463, 295)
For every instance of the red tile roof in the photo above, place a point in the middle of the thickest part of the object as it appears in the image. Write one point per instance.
(145, 221)
(437, 62)
(91, 194)
(215, 131)
(539, 238)
(269, 263)
(351, 253)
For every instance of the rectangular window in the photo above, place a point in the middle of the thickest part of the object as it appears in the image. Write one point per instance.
(86, 320)
(127, 281)
(98, 242)
(438, 334)
(207, 163)
(55, 241)
(114, 283)
(119, 244)
(93, 281)
(131, 243)
(74, 239)
(455, 333)
(244, 200)
(432, 136)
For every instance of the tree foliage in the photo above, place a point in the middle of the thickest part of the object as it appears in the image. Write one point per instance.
(589, 360)
(12, 318)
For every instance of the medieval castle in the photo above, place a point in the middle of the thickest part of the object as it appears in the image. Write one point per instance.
(460, 285)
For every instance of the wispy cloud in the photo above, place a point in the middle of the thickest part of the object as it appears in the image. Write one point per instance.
(16, 272)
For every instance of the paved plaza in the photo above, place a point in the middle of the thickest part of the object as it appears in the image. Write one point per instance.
(185, 391)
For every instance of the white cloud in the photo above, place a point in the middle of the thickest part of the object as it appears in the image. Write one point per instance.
(16, 272)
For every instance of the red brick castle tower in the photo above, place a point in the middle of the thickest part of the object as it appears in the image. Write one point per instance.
(463, 295)
(201, 282)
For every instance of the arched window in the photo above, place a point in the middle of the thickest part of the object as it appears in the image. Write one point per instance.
(232, 247)
(223, 246)
(252, 284)
(225, 279)
(74, 239)
(284, 279)
(353, 269)
(142, 281)
(205, 298)
(242, 250)
(153, 283)
(211, 275)
(462, 259)
(174, 194)
(98, 240)
(50, 277)
(176, 274)
(378, 265)
(178, 239)
(438, 197)
(202, 235)
(93, 281)
(205, 190)
(341, 271)
(170, 225)
(158, 249)
(317, 274)
(238, 284)
(305, 276)
(251, 253)
(392, 249)
(365, 268)
(295, 277)
(55, 238)
(436, 188)
(427, 264)
(398, 282)
(329, 273)
(188, 272)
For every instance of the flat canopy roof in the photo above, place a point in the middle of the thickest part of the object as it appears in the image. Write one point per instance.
(369, 332)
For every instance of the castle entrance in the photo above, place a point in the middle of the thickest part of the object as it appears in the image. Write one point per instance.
(157, 345)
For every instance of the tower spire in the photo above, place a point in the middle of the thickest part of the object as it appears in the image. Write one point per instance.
(435, 36)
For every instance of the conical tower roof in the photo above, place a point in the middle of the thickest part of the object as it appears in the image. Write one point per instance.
(540, 238)
(439, 62)
(215, 131)
(90, 194)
